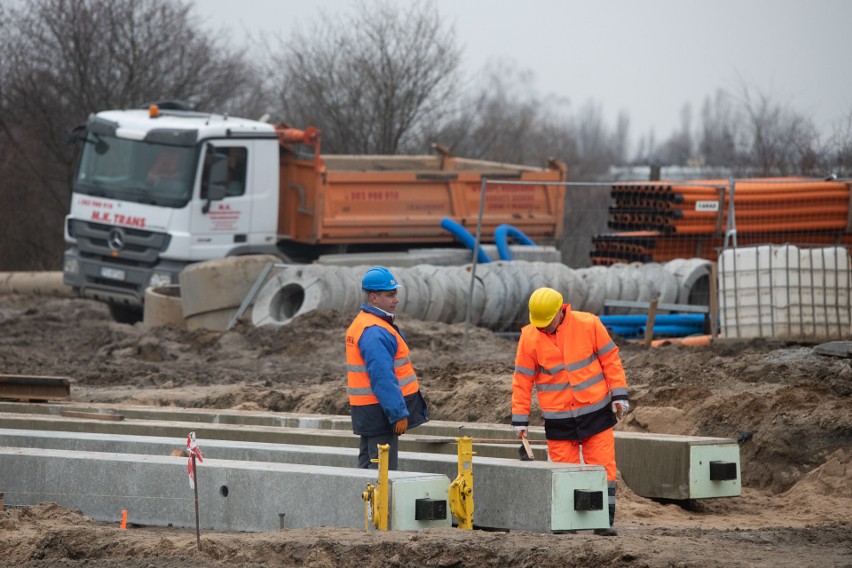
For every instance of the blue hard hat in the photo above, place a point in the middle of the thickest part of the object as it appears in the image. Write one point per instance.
(379, 278)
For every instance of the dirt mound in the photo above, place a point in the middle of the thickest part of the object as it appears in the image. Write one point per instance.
(787, 407)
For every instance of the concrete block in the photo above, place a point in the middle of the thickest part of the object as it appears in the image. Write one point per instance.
(508, 494)
(679, 467)
(233, 495)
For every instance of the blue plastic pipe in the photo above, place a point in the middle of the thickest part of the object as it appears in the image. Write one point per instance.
(465, 237)
(501, 237)
(673, 330)
(662, 319)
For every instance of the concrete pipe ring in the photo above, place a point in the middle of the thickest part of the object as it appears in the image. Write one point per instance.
(595, 278)
(429, 275)
(495, 295)
(287, 296)
(221, 283)
(477, 302)
(163, 307)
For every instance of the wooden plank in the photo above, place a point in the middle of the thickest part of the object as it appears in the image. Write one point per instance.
(31, 387)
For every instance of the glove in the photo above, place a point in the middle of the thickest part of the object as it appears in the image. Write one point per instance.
(401, 426)
(620, 408)
(521, 431)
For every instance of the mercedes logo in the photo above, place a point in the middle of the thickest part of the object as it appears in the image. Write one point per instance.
(116, 239)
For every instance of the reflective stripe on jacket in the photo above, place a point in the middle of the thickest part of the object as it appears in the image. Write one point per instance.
(360, 390)
(577, 373)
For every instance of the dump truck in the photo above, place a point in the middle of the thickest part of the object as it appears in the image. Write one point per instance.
(160, 187)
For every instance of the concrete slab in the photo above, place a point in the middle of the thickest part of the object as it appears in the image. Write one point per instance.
(508, 494)
(233, 495)
(835, 348)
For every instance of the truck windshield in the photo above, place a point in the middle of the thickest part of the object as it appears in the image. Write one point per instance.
(135, 170)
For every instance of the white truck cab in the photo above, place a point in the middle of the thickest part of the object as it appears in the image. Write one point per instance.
(158, 189)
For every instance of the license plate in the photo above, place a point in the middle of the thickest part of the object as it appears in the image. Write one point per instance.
(112, 273)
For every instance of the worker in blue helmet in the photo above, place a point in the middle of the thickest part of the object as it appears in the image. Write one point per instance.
(384, 395)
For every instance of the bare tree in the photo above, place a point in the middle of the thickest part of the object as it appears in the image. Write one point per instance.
(64, 59)
(677, 150)
(837, 155)
(718, 131)
(501, 118)
(373, 80)
(780, 140)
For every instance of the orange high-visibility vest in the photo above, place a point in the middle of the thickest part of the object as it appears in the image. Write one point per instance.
(577, 374)
(360, 393)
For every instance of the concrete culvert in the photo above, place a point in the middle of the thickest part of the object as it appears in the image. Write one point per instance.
(34, 283)
(477, 302)
(221, 283)
(288, 295)
(693, 276)
(430, 275)
(512, 292)
(163, 307)
(595, 279)
(573, 287)
(495, 295)
(663, 283)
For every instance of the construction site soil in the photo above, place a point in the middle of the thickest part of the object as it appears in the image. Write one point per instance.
(789, 408)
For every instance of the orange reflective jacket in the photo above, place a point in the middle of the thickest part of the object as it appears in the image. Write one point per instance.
(360, 392)
(576, 371)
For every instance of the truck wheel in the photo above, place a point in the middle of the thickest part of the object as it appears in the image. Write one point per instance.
(125, 314)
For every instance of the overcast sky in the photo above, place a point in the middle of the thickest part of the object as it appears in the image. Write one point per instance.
(647, 57)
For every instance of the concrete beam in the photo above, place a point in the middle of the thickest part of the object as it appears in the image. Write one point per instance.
(508, 494)
(233, 495)
(679, 467)
(652, 465)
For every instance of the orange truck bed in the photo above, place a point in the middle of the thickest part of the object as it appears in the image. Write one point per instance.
(346, 199)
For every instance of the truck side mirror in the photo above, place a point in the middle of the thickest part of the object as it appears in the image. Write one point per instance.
(218, 179)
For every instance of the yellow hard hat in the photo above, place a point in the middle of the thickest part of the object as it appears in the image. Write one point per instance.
(544, 305)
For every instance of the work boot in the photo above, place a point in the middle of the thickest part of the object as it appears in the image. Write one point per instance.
(606, 532)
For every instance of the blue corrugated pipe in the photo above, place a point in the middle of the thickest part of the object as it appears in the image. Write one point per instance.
(501, 235)
(663, 319)
(465, 237)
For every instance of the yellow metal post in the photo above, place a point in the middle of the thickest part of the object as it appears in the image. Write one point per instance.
(378, 495)
(461, 489)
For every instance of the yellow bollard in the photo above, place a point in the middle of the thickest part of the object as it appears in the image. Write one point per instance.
(377, 495)
(461, 489)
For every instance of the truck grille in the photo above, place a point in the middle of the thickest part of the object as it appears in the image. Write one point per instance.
(134, 246)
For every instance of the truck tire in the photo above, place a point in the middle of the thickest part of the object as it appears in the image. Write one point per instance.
(163, 307)
(212, 285)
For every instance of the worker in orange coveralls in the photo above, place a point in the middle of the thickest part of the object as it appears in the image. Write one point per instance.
(574, 365)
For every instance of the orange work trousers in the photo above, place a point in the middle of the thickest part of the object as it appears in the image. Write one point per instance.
(598, 449)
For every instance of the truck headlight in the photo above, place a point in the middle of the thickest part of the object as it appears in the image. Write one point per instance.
(71, 266)
(160, 279)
